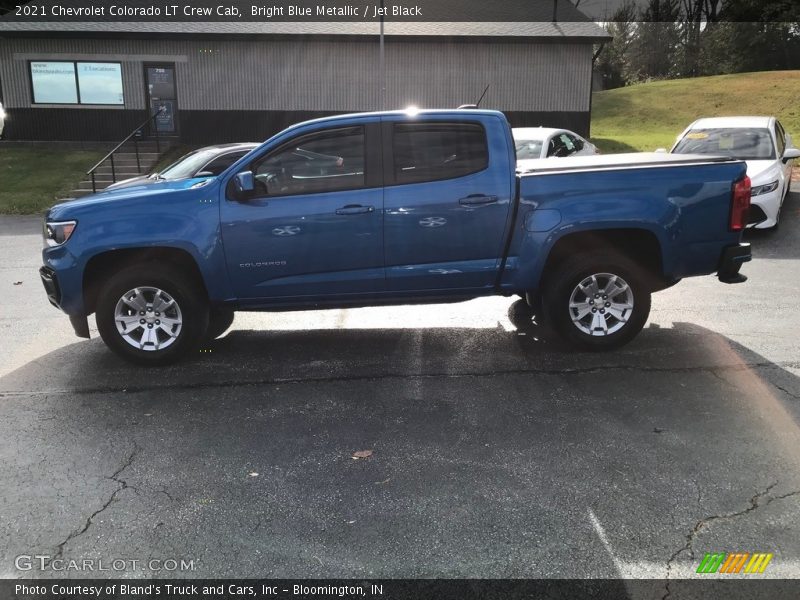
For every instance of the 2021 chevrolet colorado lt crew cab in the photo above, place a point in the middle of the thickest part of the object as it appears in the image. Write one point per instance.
(394, 208)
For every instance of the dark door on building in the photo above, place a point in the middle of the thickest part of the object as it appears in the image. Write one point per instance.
(162, 98)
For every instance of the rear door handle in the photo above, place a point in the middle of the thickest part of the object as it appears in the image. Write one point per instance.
(354, 209)
(478, 200)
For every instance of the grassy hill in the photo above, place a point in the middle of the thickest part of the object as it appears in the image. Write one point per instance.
(33, 178)
(651, 115)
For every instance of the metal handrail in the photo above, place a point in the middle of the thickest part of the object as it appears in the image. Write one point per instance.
(110, 155)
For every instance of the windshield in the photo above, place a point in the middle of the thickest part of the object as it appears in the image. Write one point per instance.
(528, 149)
(188, 165)
(741, 143)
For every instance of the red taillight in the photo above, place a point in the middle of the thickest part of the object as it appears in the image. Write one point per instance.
(740, 204)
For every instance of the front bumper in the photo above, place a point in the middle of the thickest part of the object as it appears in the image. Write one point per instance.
(51, 286)
(731, 261)
(50, 282)
(764, 210)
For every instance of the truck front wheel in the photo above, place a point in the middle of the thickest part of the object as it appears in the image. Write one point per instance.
(597, 301)
(151, 314)
(219, 321)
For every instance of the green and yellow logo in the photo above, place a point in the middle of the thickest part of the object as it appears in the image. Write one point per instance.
(732, 563)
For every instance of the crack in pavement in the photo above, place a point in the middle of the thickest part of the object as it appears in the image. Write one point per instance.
(785, 391)
(122, 485)
(754, 504)
(441, 375)
(714, 372)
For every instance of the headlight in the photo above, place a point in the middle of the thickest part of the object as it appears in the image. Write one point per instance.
(765, 189)
(58, 232)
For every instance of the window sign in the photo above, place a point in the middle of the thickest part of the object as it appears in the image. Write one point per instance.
(100, 83)
(71, 82)
(54, 82)
(165, 115)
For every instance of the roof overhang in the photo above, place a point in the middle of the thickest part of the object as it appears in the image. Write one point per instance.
(567, 32)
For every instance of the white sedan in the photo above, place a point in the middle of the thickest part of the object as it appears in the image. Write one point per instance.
(543, 142)
(763, 143)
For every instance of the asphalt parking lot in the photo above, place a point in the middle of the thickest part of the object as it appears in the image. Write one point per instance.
(493, 454)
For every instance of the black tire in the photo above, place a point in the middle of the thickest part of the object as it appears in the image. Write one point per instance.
(521, 314)
(219, 321)
(188, 296)
(566, 278)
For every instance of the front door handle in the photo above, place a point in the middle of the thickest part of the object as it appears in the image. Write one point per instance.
(354, 209)
(478, 200)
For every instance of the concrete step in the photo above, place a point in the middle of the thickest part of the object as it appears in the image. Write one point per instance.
(106, 170)
(132, 156)
(106, 174)
(145, 165)
(87, 185)
(125, 167)
(146, 145)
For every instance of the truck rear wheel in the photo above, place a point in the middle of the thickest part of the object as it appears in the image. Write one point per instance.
(597, 301)
(522, 315)
(151, 314)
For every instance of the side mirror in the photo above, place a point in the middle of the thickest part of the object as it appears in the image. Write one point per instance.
(791, 154)
(244, 182)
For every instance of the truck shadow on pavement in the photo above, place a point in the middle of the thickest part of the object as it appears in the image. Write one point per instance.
(491, 455)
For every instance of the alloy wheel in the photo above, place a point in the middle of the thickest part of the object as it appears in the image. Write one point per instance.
(148, 318)
(601, 304)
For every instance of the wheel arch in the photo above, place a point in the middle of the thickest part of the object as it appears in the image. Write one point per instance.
(101, 265)
(638, 244)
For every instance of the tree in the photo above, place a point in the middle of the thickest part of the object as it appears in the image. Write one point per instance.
(612, 60)
(653, 52)
(752, 35)
(696, 17)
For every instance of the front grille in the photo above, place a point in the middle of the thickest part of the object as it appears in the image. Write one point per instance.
(50, 283)
(756, 215)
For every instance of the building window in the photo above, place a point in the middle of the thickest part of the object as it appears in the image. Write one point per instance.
(74, 82)
(54, 82)
(99, 83)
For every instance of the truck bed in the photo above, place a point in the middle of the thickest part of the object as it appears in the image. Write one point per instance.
(683, 202)
(631, 160)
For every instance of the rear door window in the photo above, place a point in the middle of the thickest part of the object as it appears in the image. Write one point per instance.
(436, 151)
(561, 146)
(577, 143)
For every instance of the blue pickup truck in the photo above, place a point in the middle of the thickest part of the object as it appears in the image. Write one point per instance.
(394, 208)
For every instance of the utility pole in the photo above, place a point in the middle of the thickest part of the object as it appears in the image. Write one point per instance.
(382, 66)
